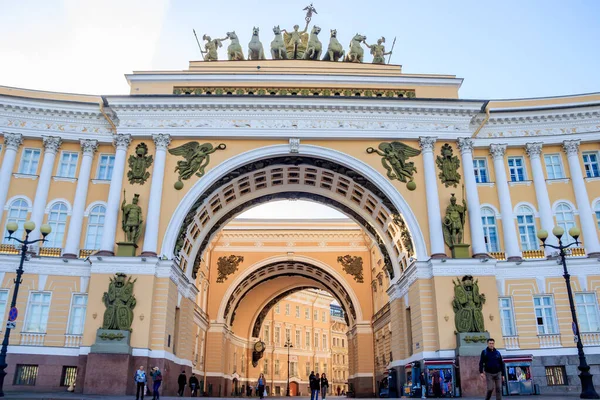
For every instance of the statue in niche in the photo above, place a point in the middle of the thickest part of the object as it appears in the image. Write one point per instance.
(353, 265)
(468, 304)
(255, 47)
(448, 164)
(138, 163)
(378, 51)
(196, 158)
(394, 159)
(227, 266)
(453, 224)
(211, 47)
(119, 302)
(356, 52)
(132, 219)
(335, 51)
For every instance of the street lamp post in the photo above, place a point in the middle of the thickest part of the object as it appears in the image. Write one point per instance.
(587, 385)
(288, 344)
(12, 227)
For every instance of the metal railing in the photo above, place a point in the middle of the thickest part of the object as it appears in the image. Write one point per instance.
(498, 255)
(50, 252)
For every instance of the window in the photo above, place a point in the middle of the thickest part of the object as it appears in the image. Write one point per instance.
(266, 367)
(68, 376)
(37, 312)
(105, 166)
(342, 342)
(25, 375)
(17, 212)
(29, 161)
(288, 335)
(277, 308)
(490, 232)
(316, 342)
(307, 368)
(516, 168)
(480, 169)
(307, 339)
(526, 224)
(506, 316)
(57, 219)
(590, 164)
(95, 227)
(68, 164)
(277, 334)
(324, 342)
(554, 167)
(306, 313)
(276, 367)
(297, 343)
(287, 309)
(323, 316)
(324, 368)
(3, 302)
(77, 315)
(297, 311)
(556, 375)
(565, 218)
(316, 315)
(266, 333)
(587, 312)
(544, 315)
(293, 368)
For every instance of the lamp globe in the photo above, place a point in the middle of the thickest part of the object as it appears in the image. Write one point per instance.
(558, 231)
(542, 234)
(12, 227)
(45, 229)
(29, 226)
(574, 232)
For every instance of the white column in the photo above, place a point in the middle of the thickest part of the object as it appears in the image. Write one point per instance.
(511, 242)
(121, 143)
(89, 147)
(436, 238)
(534, 151)
(12, 141)
(465, 145)
(588, 224)
(161, 141)
(51, 146)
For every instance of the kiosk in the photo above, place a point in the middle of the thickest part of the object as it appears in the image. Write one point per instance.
(518, 374)
(441, 378)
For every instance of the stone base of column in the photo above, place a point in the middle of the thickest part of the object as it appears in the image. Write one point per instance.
(471, 383)
(481, 255)
(69, 256)
(148, 254)
(105, 253)
(514, 259)
(439, 255)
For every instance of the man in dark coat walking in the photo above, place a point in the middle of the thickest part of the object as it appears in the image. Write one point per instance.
(181, 381)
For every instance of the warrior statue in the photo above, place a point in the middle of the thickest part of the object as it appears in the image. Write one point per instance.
(454, 222)
(211, 47)
(378, 51)
(467, 305)
(119, 302)
(132, 219)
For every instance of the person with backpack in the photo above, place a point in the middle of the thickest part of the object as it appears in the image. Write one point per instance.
(140, 382)
(491, 368)
(157, 380)
(194, 384)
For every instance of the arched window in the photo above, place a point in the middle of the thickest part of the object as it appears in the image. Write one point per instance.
(490, 231)
(597, 211)
(565, 218)
(526, 224)
(95, 228)
(57, 219)
(17, 212)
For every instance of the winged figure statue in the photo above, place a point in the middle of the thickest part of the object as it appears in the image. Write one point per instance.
(394, 159)
(196, 158)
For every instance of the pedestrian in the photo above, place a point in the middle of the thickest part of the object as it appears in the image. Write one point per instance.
(316, 388)
(423, 383)
(311, 384)
(157, 380)
(140, 382)
(260, 386)
(491, 367)
(194, 384)
(324, 386)
(181, 382)
(339, 390)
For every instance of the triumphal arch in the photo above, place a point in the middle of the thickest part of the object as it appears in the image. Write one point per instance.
(145, 264)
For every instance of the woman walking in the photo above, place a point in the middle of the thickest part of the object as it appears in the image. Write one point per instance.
(324, 386)
(260, 387)
(157, 380)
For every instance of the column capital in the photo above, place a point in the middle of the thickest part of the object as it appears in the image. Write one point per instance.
(533, 150)
(13, 140)
(571, 147)
(122, 141)
(161, 140)
(497, 150)
(89, 146)
(427, 143)
(51, 143)
(465, 145)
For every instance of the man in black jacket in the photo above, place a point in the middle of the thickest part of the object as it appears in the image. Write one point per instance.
(491, 367)
(181, 381)
(194, 384)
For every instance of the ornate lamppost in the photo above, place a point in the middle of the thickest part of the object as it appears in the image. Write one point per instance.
(12, 227)
(587, 385)
(288, 344)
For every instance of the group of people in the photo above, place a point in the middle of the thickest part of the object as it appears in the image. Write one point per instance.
(141, 381)
(318, 384)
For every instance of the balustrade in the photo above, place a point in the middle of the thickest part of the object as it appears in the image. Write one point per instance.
(72, 340)
(590, 338)
(511, 342)
(547, 341)
(32, 338)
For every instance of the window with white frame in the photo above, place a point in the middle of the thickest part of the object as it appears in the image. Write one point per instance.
(288, 334)
(106, 164)
(587, 312)
(68, 164)
(277, 334)
(307, 340)
(306, 313)
(38, 308)
(297, 311)
(298, 334)
(565, 218)
(324, 342)
(17, 212)
(277, 308)
(57, 219)
(3, 302)
(316, 341)
(490, 231)
(267, 336)
(276, 367)
(516, 168)
(554, 167)
(507, 318)
(527, 230)
(323, 316)
(29, 161)
(95, 227)
(480, 169)
(544, 315)
(590, 164)
(597, 212)
(77, 314)
(316, 315)
(287, 309)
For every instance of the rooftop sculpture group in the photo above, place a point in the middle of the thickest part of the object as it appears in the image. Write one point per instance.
(296, 45)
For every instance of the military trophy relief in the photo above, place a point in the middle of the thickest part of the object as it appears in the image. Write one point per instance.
(138, 165)
(197, 158)
(448, 164)
(227, 266)
(394, 158)
(296, 44)
(132, 226)
(119, 300)
(352, 265)
(453, 228)
(468, 316)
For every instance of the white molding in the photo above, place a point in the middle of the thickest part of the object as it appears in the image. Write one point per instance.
(596, 204)
(64, 179)
(25, 176)
(527, 204)
(53, 202)
(422, 355)
(520, 183)
(101, 181)
(486, 184)
(90, 206)
(559, 201)
(18, 197)
(592, 179)
(497, 213)
(560, 180)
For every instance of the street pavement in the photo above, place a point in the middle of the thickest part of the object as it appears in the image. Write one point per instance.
(74, 396)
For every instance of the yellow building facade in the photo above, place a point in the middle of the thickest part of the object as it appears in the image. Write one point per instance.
(295, 130)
